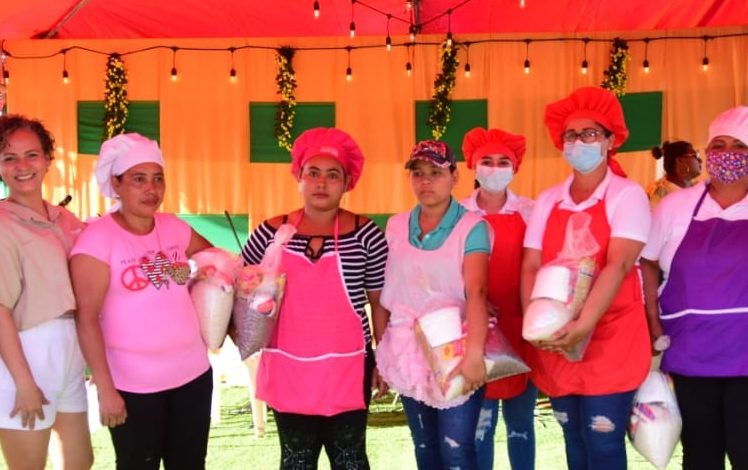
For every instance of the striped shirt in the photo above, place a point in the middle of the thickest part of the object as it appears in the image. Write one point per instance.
(363, 254)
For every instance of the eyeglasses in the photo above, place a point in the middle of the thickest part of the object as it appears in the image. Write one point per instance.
(587, 135)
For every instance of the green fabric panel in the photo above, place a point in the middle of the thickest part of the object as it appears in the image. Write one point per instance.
(643, 113)
(466, 114)
(379, 219)
(144, 117)
(263, 147)
(216, 229)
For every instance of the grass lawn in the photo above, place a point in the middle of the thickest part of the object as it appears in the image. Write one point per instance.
(232, 444)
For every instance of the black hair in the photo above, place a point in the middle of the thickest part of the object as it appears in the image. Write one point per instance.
(669, 152)
(13, 122)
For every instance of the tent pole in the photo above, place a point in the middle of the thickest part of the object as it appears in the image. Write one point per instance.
(73, 11)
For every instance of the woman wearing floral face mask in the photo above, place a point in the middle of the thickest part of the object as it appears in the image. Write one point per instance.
(698, 241)
(495, 155)
(592, 398)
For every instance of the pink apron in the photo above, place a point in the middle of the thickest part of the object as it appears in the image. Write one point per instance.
(315, 362)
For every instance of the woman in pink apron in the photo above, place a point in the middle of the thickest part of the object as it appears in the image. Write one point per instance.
(496, 155)
(592, 398)
(318, 371)
(438, 259)
(699, 242)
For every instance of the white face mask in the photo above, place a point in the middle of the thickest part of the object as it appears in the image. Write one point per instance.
(583, 157)
(494, 178)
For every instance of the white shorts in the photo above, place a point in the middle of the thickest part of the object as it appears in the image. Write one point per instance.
(58, 367)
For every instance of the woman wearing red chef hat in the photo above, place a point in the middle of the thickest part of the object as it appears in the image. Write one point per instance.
(318, 371)
(592, 398)
(496, 155)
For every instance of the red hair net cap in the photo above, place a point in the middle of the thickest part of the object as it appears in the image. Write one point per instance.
(594, 103)
(331, 142)
(479, 142)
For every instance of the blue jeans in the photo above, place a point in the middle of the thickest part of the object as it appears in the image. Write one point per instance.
(444, 439)
(594, 429)
(519, 417)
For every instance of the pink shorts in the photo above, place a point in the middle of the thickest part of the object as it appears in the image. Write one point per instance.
(55, 359)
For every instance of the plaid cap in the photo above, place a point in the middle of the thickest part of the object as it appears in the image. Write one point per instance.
(432, 151)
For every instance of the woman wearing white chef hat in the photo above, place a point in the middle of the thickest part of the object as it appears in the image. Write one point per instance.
(137, 326)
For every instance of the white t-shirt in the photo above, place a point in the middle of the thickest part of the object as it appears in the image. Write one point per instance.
(672, 216)
(626, 206)
(514, 203)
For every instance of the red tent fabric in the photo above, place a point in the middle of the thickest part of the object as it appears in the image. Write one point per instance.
(103, 19)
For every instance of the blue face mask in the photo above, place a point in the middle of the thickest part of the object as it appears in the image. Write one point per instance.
(583, 157)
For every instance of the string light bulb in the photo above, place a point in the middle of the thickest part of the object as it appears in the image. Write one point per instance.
(526, 64)
(316, 9)
(409, 4)
(449, 28)
(388, 40)
(349, 70)
(412, 32)
(585, 64)
(467, 60)
(6, 75)
(645, 62)
(408, 69)
(352, 26)
(232, 72)
(705, 60)
(65, 74)
(522, 3)
(174, 74)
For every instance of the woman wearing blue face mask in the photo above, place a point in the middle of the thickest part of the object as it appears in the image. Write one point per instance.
(592, 398)
(698, 242)
(495, 156)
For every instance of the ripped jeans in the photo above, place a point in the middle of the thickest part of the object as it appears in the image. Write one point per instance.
(519, 418)
(444, 439)
(594, 429)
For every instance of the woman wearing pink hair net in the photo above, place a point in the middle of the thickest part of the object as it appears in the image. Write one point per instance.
(318, 371)
(698, 243)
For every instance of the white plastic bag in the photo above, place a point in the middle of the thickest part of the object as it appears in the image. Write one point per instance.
(259, 293)
(562, 285)
(212, 292)
(655, 424)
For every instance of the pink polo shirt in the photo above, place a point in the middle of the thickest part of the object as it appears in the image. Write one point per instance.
(150, 328)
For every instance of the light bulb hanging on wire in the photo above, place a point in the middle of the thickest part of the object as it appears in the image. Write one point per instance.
(705, 60)
(408, 65)
(174, 74)
(232, 72)
(522, 3)
(585, 64)
(645, 63)
(352, 26)
(412, 32)
(449, 28)
(349, 70)
(316, 9)
(526, 64)
(467, 60)
(388, 41)
(65, 74)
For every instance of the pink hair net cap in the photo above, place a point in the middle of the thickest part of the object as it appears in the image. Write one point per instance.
(331, 142)
(732, 123)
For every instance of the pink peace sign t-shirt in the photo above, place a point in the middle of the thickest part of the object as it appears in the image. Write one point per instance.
(150, 328)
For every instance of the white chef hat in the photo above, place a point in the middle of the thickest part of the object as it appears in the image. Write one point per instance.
(732, 123)
(119, 154)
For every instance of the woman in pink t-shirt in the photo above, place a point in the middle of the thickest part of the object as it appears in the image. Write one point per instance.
(138, 329)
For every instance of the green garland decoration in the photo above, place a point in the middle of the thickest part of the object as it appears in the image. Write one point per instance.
(615, 77)
(285, 81)
(115, 97)
(440, 106)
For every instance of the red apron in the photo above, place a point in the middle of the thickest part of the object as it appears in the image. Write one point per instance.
(504, 268)
(315, 362)
(618, 356)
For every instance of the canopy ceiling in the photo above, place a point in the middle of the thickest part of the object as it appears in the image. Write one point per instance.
(107, 19)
